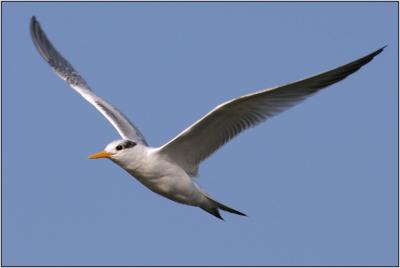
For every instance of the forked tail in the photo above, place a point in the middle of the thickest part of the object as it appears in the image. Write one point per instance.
(212, 207)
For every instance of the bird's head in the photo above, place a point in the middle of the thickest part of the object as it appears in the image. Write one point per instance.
(115, 150)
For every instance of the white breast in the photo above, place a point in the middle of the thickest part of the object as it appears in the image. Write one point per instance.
(161, 175)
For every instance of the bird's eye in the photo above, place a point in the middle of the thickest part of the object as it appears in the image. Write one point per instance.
(130, 144)
(118, 148)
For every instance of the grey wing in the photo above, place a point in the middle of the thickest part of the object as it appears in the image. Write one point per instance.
(227, 120)
(65, 70)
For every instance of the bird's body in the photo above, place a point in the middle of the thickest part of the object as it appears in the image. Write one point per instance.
(160, 174)
(168, 170)
(163, 176)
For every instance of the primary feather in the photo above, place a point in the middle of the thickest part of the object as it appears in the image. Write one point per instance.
(65, 70)
(228, 119)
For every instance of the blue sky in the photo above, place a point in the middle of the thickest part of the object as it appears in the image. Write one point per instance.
(319, 182)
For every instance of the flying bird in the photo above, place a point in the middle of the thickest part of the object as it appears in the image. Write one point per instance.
(169, 169)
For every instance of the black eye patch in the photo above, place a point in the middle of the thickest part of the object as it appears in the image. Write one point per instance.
(129, 144)
(118, 148)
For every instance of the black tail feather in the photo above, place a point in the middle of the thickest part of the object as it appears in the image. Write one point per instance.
(231, 210)
(214, 212)
(213, 206)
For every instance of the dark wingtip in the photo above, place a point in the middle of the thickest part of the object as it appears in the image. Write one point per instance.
(242, 214)
(373, 54)
(40, 40)
(33, 22)
(33, 26)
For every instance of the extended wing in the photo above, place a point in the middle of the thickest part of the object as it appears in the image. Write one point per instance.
(227, 120)
(65, 70)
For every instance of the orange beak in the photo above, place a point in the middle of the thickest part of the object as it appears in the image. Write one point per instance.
(102, 154)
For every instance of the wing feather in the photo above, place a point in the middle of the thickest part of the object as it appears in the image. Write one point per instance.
(65, 70)
(227, 120)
